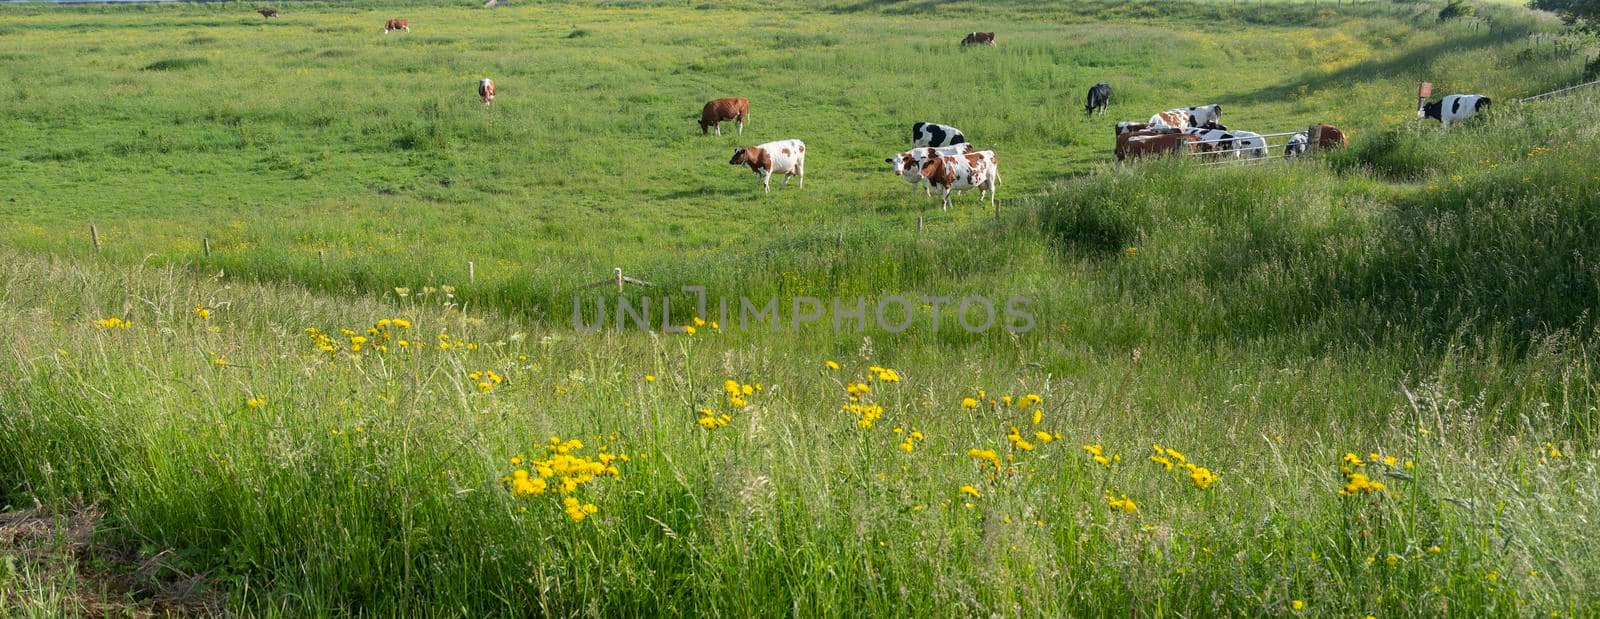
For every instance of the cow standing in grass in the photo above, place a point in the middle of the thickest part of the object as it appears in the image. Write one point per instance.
(1099, 99)
(783, 156)
(979, 38)
(1185, 117)
(951, 173)
(268, 13)
(1150, 143)
(396, 24)
(909, 164)
(936, 135)
(736, 109)
(1455, 108)
(486, 90)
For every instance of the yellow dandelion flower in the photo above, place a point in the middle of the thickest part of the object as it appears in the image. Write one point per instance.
(969, 490)
(831, 364)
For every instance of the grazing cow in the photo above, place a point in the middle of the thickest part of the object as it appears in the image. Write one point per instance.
(1455, 108)
(717, 110)
(909, 164)
(486, 90)
(1099, 98)
(962, 172)
(930, 134)
(396, 24)
(786, 156)
(268, 13)
(1329, 136)
(979, 38)
(1297, 145)
(1146, 143)
(1183, 118)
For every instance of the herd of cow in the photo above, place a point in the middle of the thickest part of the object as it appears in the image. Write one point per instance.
(942, 158)
(1199, 130)
(940, 155)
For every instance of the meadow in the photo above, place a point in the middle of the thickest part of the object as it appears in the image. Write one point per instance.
(1358, 385)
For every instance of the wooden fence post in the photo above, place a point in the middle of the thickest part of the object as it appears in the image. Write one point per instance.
(322, 257)
(919, 224)
(94, 237)
(1313, 138)
(472, 272)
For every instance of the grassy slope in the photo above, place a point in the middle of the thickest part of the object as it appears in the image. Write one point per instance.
(1271, 320)
(312, 132)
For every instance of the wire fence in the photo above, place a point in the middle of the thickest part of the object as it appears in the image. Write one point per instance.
(1557, 92)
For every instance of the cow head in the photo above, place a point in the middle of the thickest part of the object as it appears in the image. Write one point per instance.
(1130, 127)
(739, 157)
(1432, 110)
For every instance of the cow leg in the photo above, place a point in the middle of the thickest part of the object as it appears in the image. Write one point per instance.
(801, 168)
(945, 204)
(719, 128)
(741, 125)
(766, 182)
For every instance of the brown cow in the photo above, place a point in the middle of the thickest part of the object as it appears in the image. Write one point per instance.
(1146, 143)
(717, 110)
(486, 90)
(396, 24)
(268, 13)
(979, 38)
(1331, 137)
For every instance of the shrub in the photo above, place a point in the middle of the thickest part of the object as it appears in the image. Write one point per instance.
(173, 64)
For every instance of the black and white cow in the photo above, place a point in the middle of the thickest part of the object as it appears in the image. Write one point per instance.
(1099, 98)
(1215, 138)
(935, 135)
(1249, 144)
(1455, 108)
(1297, 146)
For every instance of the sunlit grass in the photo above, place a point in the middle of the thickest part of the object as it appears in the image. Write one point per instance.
(1360, 385)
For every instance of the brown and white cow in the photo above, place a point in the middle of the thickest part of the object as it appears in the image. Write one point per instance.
(1130, 127)
(268, 13)
(1185, 117)
(787, 157)
(1150, 143)
(949, 173)
(486, 90)
(396, 24)
(979, 38)
(736, 109)
(909, 164)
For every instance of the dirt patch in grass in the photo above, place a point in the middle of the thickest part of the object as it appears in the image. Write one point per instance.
(95, 577)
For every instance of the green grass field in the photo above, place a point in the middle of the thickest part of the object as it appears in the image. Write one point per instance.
(1376, 368)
